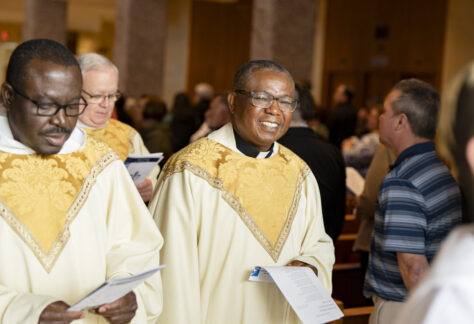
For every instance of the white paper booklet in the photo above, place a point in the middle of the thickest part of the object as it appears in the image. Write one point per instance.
(303, 291)
(354, 181)
(140, 166)
(112, 290)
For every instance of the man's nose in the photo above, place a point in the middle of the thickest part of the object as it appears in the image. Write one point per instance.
(60, 119)
(105, 101)
(274, 109)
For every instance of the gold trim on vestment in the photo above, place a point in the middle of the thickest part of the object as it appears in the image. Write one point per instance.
(206, 159)
(98, 157)
(117, 135)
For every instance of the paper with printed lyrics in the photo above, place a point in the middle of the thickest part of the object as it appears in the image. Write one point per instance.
(140, 166)
(112, 290)
(303, 291)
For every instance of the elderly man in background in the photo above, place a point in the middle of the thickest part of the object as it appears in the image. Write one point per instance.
(418, 203)
(237, 199)
(100, 89)
(214, 118)
(70, 217)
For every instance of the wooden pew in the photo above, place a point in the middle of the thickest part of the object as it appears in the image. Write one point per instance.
(343, 249)
(351, 202)
(347, 285)
(347, 277)
(351, 225)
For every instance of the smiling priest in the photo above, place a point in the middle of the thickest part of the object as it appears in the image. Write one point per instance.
(235, 200)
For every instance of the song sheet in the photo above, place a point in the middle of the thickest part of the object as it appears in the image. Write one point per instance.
(303, 291)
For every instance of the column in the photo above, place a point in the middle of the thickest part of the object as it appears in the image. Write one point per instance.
(45, 19)
(284, 31)
(177, 49)
(140, 32)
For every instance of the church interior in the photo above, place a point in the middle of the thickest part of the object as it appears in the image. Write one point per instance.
(165, 47)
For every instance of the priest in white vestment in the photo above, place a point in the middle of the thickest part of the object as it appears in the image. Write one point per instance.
(235, 200)
(70, 216)
(100, 89)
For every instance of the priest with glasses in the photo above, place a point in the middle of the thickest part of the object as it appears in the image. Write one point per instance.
(100, 89)
(70, 216)
(235, 200)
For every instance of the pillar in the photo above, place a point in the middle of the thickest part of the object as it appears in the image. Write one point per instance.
(140, 32)
(45, 19)
(284, 31)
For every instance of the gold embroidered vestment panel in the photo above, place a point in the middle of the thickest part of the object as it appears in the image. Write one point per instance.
(264, 192)
(41, 195)
(115, 134)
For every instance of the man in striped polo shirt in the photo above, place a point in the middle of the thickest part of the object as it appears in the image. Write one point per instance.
(418, 204)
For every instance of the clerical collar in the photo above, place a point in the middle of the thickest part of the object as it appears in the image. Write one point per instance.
(249, 150)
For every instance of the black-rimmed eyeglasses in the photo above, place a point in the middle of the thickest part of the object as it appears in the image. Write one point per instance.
(263, 100)
(51, 109)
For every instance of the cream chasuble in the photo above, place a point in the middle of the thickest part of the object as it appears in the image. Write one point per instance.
(221, 214)
(68, 222)
(122, 139)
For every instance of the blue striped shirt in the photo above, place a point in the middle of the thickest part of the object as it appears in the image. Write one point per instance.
(418, 204)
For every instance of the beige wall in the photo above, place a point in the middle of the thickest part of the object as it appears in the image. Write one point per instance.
(459, 39)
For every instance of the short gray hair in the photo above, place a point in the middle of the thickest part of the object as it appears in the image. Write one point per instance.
(94, 61)
(420, 102)
(246, 69)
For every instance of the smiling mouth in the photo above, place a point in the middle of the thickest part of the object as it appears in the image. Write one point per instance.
(270, 124)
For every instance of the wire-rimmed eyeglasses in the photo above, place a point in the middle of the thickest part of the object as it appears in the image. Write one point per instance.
(97, 99)
(263, 100)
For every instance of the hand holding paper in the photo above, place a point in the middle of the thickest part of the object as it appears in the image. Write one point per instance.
(120, 311)
(145, 189)
(140, 166)
(303, 291)
(58, 311)
(112, 290)
(297, 263)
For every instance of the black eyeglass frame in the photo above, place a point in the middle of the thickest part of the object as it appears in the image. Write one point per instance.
(253, 94)
(58, 106)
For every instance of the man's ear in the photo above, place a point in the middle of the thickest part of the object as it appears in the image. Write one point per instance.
(231, 101)
(6, 95)
(401, 121)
